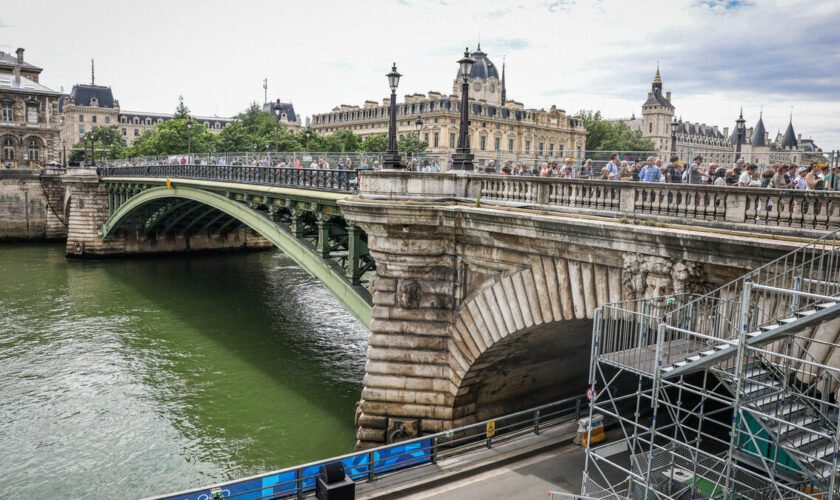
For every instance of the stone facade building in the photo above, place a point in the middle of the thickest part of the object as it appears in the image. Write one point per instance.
(756, 146)
(713, 144)
(692, 139)
(500, 128)
(88, 106)
(29, 115)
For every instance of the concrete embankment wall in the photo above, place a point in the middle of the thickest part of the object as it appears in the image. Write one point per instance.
(25, 213)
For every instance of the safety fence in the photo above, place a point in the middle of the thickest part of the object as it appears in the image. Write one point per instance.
(370, 464)
(314, 179)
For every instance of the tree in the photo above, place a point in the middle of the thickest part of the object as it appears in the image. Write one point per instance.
(611, 135)
(182, 111)
(234, 138)
(375, 144)
(108, 139)
(411, 144)
(342, 141)
(173, 137)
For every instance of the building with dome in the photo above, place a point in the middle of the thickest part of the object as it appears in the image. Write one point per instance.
(500, 128)
(714, 144)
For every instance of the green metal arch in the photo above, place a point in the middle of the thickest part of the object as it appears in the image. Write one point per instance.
(331, 277)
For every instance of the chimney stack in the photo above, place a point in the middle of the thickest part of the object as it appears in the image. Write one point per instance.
(798, 137)
(766, 137)
(19, 53)
(668, 95)
(17, 76)
(726, 132)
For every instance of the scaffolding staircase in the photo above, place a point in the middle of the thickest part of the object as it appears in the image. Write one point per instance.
(751, 337)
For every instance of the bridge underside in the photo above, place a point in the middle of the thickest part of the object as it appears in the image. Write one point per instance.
(317, 239)
(538, 365)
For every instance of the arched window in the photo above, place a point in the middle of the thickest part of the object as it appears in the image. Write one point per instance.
(8, 149)
(34, 146)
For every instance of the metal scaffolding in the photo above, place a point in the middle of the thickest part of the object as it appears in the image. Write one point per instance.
(733, 394)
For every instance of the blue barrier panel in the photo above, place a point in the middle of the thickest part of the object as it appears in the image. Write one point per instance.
(283, 484)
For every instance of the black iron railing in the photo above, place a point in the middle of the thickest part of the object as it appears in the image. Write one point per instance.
(345, 181)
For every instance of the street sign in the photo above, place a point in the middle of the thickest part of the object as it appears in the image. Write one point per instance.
(491, 428)
(591, 394)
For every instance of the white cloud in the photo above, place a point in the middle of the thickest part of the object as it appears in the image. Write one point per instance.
(716, 55)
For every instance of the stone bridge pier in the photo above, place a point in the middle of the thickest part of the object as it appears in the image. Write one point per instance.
(482, 310)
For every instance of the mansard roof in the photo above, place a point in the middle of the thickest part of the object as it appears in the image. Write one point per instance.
(82, 94)
(700, 130)
(8, 84)
(278, 109)
(9, 61)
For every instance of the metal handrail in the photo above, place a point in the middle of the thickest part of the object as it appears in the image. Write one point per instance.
(538, 418)
(345, 181)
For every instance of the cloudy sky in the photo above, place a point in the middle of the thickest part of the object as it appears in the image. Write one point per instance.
(715, 55)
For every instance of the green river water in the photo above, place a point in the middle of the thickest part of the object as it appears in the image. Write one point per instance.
(127, 378)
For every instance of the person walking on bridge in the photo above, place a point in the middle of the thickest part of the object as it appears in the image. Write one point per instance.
(695, 171)
(673, 172)
(650, 172)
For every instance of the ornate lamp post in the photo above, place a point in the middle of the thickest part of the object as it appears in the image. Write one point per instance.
(189, 138)
(463, 159)
(740, 124)
(419, 125)
(674, 126)
(392, 160)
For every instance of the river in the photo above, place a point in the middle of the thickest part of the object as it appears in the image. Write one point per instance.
(134, 377)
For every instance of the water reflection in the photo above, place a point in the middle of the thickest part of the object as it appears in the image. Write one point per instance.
(143, 376)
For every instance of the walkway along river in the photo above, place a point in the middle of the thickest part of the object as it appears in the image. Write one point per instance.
(126, 378)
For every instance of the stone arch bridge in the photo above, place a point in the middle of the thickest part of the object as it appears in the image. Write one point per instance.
(479, 291)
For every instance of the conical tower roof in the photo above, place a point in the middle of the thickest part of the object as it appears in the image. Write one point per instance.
(759, 132)
(789, 139)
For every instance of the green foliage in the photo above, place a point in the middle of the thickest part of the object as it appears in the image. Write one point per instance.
(342, 141)
(609, 135)
(182, 111)
(173, 137)
(375, 144)
(234, 137)
(410, 144)
(108, 139)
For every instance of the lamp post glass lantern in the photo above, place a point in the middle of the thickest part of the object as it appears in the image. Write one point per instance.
(740, 126)
(674, 126)
(189, 138)
(392, 158)
(463, 159)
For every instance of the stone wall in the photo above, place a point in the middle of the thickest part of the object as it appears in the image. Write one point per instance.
(482, 310)
(25, 213)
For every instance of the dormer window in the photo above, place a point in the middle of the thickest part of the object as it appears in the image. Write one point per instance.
(94, 101)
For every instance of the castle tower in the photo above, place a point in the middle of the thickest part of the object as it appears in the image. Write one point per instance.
(657, 114)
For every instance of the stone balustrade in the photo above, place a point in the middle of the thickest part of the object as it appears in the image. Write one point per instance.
(686, 203)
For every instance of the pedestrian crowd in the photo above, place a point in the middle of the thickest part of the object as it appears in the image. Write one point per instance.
(741, 174)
